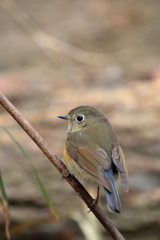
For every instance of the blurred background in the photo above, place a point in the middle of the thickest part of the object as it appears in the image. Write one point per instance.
(57, 55)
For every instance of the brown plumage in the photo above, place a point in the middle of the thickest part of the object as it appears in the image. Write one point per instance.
(92, 152)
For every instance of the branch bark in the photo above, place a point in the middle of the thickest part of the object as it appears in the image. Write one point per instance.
(42, 144)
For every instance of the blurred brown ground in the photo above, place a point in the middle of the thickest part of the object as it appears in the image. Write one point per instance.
(126, 89)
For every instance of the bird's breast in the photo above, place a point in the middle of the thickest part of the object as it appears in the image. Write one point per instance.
(74, 168)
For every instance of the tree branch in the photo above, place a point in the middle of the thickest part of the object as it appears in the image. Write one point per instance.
(42, 144)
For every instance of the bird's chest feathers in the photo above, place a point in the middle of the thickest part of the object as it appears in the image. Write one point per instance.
(74, 168)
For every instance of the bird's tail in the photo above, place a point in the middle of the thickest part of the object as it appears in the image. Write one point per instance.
(113, 199)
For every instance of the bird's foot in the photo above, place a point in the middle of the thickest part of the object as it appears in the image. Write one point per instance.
(96, 200)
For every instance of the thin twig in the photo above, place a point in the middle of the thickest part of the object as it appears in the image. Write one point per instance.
(42, 144)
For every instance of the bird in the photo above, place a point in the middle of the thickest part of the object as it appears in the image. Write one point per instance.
(92, 152)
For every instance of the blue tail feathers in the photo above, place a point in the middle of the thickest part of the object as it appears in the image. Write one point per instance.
(113, 199)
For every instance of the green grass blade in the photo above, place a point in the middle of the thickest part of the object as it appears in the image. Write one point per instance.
(5, 205)
(45, 194)
(35, 172)
(3, 192)
(15, 141)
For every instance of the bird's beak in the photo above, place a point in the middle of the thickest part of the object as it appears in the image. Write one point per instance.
(63, 117)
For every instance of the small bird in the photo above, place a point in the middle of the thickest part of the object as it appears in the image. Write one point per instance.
(92, 152)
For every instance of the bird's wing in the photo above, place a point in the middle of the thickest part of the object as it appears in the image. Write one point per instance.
(119, 161)
(93, 159)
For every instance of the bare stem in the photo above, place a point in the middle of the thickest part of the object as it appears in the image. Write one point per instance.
(42, 144)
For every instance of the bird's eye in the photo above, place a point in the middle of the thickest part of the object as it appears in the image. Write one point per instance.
(80, 118)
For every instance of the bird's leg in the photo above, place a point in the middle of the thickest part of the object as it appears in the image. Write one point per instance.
(65, 176)
(96, 200)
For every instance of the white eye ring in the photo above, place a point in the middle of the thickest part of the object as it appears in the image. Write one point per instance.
(79, 118)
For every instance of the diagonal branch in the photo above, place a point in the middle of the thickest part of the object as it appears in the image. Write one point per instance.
(42, 144)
